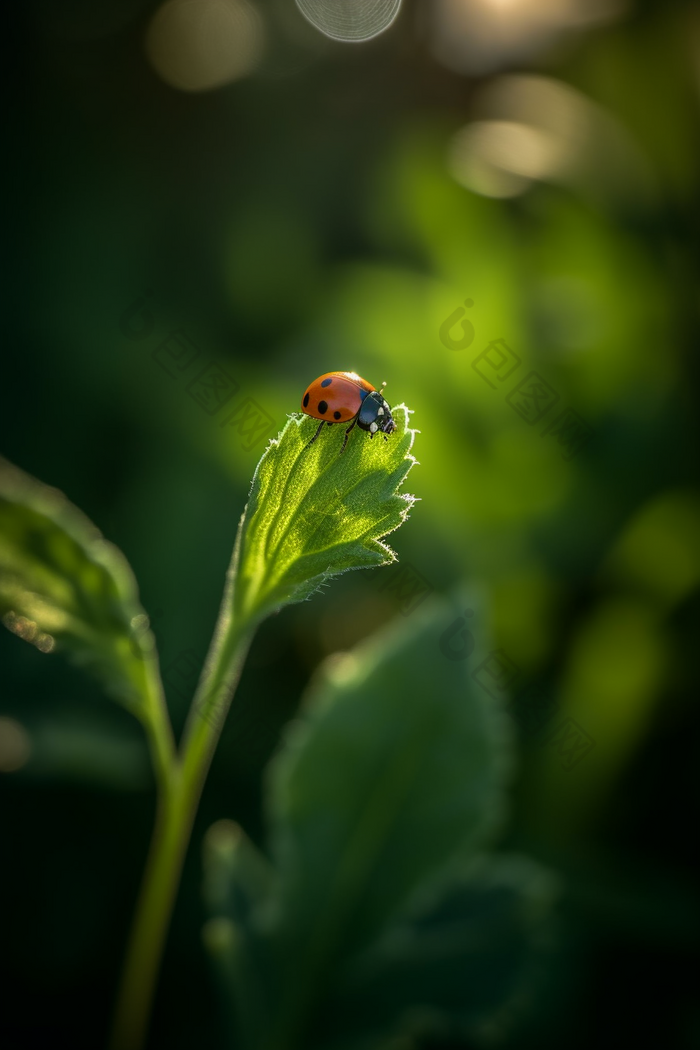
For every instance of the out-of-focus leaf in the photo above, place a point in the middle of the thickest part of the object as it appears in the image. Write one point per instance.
(238, 891)
(393, 779)
(238, 880)
(86, 754)
(63, 586)
(464, 962)
(396, 771)
(313, 513)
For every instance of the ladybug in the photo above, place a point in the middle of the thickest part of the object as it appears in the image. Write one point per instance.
(345, 397)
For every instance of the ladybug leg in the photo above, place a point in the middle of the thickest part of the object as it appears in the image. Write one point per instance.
(320, 428)
(347, 434)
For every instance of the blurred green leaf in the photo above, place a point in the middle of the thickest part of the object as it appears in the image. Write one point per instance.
(463, 963)
(238, 879)
(63, 586)
(313, 513)
(98, 756)
(238, 890)
(393, 779)
(396, 770)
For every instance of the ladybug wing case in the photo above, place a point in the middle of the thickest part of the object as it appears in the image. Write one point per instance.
(335, 397)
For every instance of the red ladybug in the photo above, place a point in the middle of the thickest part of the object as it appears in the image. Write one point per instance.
(338, 397)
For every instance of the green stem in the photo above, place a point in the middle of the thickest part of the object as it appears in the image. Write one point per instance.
(151, 920)
(159, 731)
(180, 783)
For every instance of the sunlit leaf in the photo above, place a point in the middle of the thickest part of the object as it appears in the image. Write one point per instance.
(314, 513)
(350, 20)
(64, 587)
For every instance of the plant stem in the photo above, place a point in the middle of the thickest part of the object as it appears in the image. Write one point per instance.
(159, 731)
(151, 919)
(180, 783)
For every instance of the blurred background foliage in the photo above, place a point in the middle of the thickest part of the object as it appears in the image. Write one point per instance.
(295, 204)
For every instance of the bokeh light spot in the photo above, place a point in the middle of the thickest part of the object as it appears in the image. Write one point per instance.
(15, 745)
(500, 158)
(350, 20)
(198, 45)
(477, 36)
(28, 630)
(534, 128)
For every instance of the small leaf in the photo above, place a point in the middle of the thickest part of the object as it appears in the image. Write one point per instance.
(63, 586)
(314, 513)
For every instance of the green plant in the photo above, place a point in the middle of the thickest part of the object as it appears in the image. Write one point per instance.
(379, 805)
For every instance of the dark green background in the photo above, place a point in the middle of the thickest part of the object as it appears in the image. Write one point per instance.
(304, 220)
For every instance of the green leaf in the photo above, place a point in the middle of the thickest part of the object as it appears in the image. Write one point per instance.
(393, 778)
(64, 587)
(314, 513)
(238, 890)
(238, 880)
(65, 749)
(397, 770)
(467, 961)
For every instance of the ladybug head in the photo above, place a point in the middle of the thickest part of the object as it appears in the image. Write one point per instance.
(375, 415)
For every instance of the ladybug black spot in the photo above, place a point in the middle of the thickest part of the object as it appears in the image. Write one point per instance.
(326, 382)
(323, 406)
(306, 400)
(337, 415)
